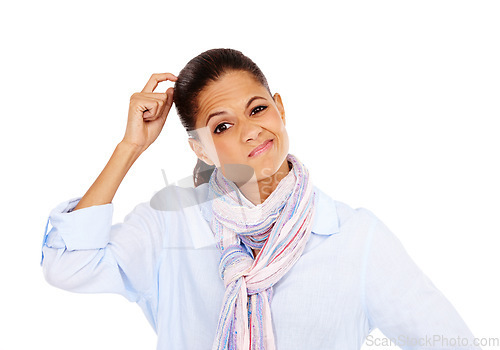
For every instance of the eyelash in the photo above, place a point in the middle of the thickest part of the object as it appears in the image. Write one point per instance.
(263, 109)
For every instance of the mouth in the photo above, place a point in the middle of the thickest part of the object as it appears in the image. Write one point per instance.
(266, 145)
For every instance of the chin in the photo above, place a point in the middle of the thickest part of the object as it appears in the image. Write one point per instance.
(267, 169)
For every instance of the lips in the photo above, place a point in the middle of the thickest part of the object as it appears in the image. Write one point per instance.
(261, 148)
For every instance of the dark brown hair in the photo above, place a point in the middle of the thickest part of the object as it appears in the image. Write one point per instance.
(207, 67)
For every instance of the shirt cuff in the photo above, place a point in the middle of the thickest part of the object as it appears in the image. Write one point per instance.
(86, 228)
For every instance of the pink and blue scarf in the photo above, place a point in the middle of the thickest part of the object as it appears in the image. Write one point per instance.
(280, 227)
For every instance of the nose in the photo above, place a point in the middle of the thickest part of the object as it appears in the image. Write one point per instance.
(250, 131)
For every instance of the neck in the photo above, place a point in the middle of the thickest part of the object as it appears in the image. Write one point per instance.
(257, 192)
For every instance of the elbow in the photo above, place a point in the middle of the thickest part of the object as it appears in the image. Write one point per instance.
(69, 270)
(51, 275)
(54, 270)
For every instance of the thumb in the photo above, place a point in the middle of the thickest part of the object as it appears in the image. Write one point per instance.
(170, 95)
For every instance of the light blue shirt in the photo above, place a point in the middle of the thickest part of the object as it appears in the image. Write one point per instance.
(353, 276)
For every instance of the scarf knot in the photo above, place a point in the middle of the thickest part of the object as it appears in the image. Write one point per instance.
(235, 263)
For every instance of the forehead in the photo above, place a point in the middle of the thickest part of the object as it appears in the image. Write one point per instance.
(232, 90)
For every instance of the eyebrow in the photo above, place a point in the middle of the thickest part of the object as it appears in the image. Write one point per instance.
(249, 102)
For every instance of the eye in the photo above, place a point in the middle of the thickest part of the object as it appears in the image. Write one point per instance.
(220, 128)
(258, 109)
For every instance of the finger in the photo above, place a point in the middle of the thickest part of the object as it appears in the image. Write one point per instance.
(149, 108)
(150, 113)
(154, 95)
(155, 79)
(164, 100)
(170, 96)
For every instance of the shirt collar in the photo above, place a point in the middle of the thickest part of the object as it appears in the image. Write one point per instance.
(325, 220)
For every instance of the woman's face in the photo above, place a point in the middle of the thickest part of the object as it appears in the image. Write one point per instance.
(237, 116)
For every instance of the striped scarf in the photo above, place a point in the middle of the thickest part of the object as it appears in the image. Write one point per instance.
(280, 227)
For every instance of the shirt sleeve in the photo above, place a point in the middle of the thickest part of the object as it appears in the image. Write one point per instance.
(403, 302)
(83, 252)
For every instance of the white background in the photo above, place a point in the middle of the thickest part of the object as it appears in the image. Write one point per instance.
(392, 105)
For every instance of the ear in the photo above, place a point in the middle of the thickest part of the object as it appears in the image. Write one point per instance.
(199, 151)
(279, 104)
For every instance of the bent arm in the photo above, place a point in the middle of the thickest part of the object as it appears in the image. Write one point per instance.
(84, 253)
(105, 186)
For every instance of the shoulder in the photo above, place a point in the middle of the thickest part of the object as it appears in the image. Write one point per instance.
(177, 212)
(349, 220)
(175, 198)
(167, 206)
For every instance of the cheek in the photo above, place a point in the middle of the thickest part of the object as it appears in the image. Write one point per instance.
(283, 135)
(285, 141)
(280, 128)
(277, 122)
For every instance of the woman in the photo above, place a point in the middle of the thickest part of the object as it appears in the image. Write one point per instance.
(255, 256)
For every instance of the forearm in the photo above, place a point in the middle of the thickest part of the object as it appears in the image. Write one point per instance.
(105, 186)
